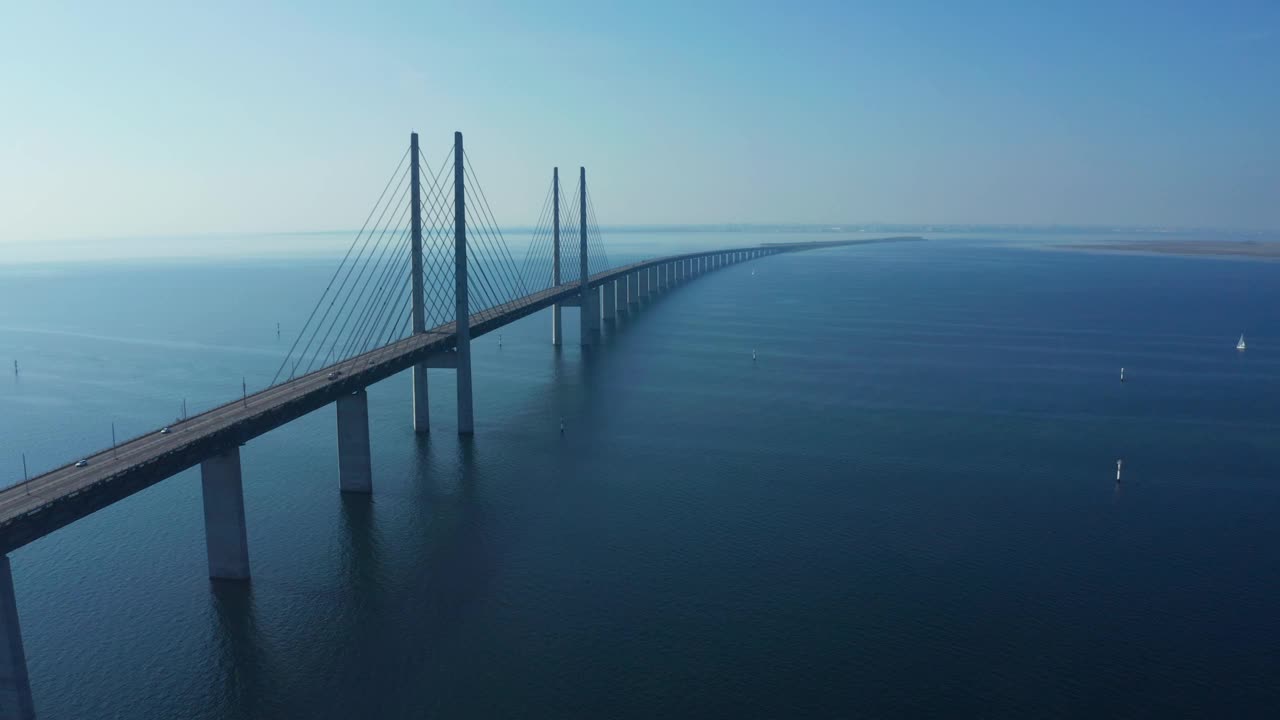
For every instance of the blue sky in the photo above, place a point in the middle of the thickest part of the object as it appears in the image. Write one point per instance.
(133, 119)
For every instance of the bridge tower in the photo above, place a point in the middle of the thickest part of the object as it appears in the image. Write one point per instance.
(421, 411)
(589, 299)
(557, 328)
(462, 317)
(460, 358)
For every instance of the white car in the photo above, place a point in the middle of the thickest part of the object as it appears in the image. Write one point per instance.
(81, 463)
(164, 431)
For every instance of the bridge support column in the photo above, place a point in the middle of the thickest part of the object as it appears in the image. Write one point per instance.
(610, 307)
(225, 534)
(421, 411)
(355, 464)
(15, 687)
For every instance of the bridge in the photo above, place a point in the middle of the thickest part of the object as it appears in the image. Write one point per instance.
(416, 286)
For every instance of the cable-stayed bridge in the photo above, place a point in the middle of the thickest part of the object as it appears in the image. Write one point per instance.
(428, 272)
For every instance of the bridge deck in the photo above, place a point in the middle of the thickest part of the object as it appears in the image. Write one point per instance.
(32, 509)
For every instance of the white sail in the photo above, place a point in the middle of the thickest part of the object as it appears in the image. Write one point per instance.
(1240, 345)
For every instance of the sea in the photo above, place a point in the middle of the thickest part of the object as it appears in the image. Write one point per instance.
(868, 482)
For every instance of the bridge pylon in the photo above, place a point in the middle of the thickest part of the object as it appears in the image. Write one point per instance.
(557, 321)
(590, 297)
(421, 410)
(462, 317)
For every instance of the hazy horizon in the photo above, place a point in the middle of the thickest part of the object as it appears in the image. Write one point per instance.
(160, 122)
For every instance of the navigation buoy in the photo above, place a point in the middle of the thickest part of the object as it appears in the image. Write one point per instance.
(1118, 470)
(562, 426)
(1121, 374)
(753, 355)
(499, 339)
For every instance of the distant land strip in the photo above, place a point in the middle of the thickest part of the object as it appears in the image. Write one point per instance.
(1233, 248)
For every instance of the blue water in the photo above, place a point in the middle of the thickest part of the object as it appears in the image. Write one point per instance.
(905, 507)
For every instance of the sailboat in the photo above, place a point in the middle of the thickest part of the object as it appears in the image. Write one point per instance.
(1240, 345)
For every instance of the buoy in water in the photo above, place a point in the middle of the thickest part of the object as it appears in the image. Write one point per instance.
(1118, 470)
(562, 425)
(500, 345)
(753, 355)
(1121, 374)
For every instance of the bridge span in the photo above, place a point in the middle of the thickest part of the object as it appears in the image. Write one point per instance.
(42, 504)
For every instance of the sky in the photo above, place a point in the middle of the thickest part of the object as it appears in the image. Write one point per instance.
(134, 119)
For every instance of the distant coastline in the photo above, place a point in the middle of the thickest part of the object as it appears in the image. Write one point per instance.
(1215, 248)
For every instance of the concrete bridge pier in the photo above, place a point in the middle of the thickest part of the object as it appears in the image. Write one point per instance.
(225, 534)
(625, 291)
(15, 686)
(610, 307)
(355, 461)
(421, 410)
